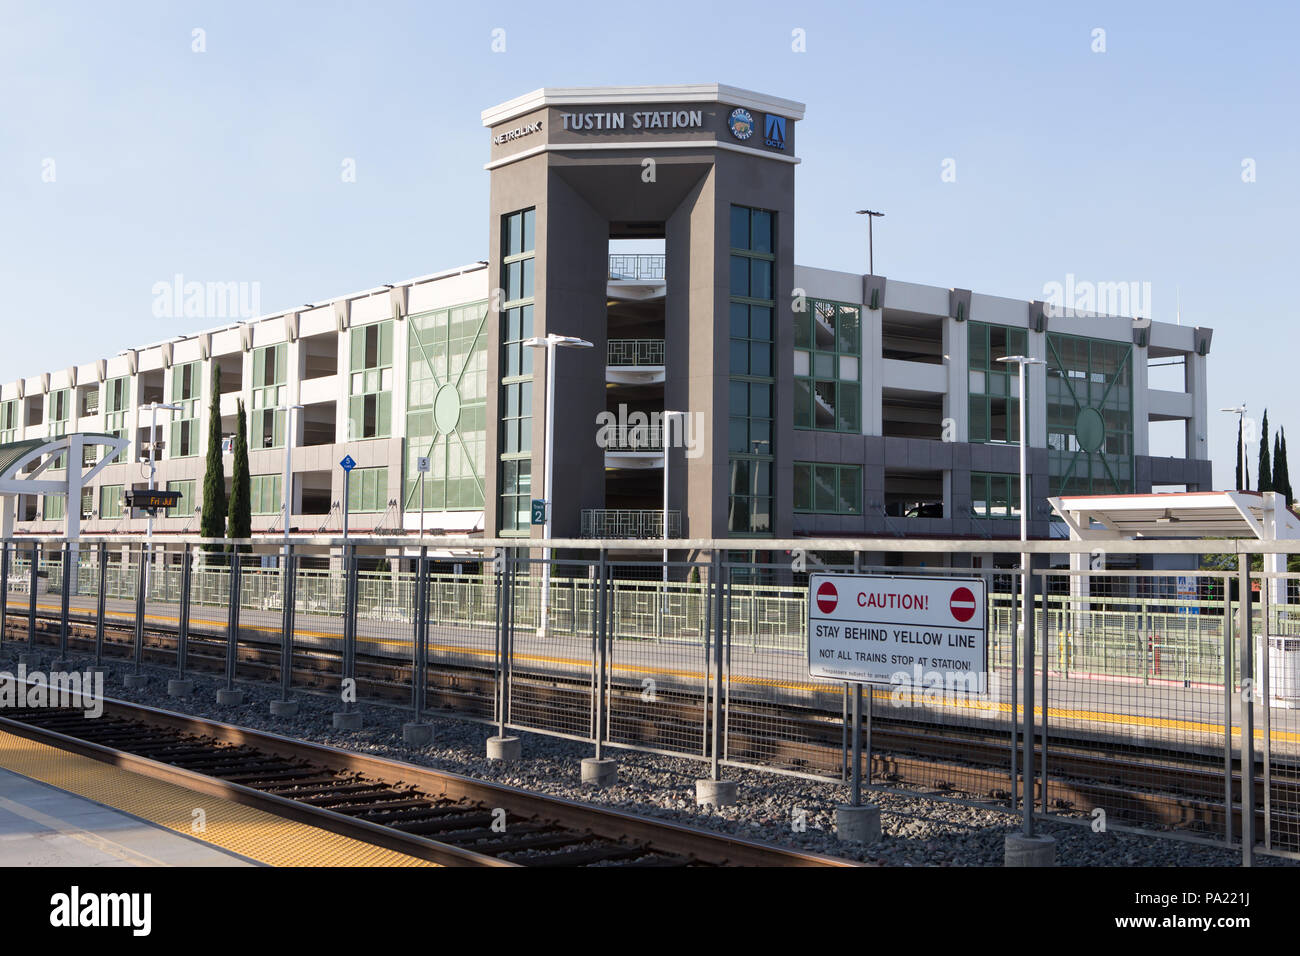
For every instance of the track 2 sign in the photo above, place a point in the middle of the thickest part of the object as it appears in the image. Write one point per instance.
(898, 629)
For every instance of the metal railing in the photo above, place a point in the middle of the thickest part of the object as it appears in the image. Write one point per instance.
(636, 266)
(626, 352)
(633, 438)
(1152, 681)
(628, 524)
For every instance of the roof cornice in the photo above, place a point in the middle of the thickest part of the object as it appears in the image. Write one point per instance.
(636, 95)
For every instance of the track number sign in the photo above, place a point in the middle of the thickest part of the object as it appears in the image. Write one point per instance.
(891, 629)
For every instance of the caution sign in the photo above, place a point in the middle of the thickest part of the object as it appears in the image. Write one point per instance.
(892, 629)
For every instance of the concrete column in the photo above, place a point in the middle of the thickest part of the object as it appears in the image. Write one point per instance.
(873, 369)
(1036, 383)
(1198, 425)
(956, 402)
(1141, 403)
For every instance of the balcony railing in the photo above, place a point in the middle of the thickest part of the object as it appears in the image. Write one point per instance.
(632, 438)
(635, 352)
(636, 267)
(606, 523)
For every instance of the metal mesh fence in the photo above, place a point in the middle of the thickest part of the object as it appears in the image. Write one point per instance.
(1150, 710)
(1138, 699)
(1278, 723)
(658, 657)
(551, 671)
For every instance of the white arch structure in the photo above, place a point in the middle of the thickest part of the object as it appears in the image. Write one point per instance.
(15, 456)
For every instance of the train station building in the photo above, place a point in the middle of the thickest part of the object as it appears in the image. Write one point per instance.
(809, 401)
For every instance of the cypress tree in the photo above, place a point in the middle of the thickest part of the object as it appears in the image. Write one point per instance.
(212, 523)
(1281, 469)
(1265, 468)
(240, 522)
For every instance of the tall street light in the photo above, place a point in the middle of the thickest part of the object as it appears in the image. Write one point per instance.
(1027, 602)
(550, 343)
(871, 214)
(287, 484)
(1240, 412)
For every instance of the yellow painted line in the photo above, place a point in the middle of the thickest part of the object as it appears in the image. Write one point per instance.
(1102, 717)
(247, 831)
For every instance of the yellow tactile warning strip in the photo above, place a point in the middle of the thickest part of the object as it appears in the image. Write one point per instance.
(247, 831)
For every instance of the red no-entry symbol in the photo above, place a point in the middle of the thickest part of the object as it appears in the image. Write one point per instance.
(962, 604)
(827, 597)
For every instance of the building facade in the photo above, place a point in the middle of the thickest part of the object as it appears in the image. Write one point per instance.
(809, 401)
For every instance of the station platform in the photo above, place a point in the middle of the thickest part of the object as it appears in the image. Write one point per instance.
(63, 809)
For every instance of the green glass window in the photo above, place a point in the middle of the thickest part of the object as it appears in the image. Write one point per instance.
(53, 507)
(752, 386)
(994, 495)
(186, 503)
(446, 407)
(518, 241)
(110, 501)
(827, 489)
(516, 495)
(994, 387)
(185, 432)
(828, 367)
(368, 490)
(270, 391)
(60, 410)
(370, 406)
(1089, 415)
(9, 420)
(264, 491)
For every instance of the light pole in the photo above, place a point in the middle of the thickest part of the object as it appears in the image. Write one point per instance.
(153, 458)
(1240, 412)
(287, 488)
(1027, 600)
(550, 343)
(871, 252)
(667, 431)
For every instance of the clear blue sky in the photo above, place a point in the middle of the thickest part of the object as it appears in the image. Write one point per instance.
(225, 165)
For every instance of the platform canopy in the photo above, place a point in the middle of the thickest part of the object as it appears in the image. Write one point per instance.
(1179, 514)
(17, 455)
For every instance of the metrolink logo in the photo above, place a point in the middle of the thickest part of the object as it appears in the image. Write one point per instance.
(1076, 298)
(75, 909)
(629, 431)
(179, 299)
(65, 689)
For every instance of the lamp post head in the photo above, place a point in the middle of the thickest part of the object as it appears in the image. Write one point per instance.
(869, 212)
(1021, 360)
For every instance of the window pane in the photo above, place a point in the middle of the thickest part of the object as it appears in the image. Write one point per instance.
(849, 320)
(802, 487)
(802, 328)
(527, 241)
(739, 393)
(850, 502)
(739, 276)
(824, 488)
(761, 230)
(802, 403)
(760, 279)
(740, 357)
(824, 405)
(760, 401)
(849, 407)
(739, 227)
(739, 320)
(738, 435)
(801, 365)
(760, 358)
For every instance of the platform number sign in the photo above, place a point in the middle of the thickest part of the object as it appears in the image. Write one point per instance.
(422, 464)
(898, 629)
(347, 464)
(539, 511)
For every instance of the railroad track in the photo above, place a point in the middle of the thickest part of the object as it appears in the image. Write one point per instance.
(437, 816)
(1188, 793)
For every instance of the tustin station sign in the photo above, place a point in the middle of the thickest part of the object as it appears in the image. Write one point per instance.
(892, 629)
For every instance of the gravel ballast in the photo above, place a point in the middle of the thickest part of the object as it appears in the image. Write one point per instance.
(772, 807)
